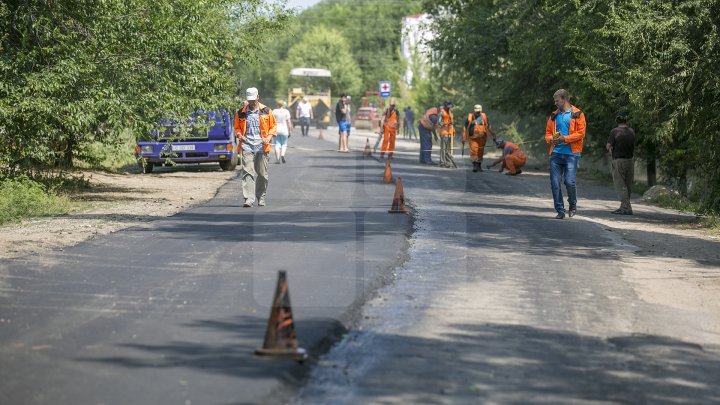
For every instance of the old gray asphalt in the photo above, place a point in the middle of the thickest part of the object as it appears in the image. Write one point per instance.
(171, 312)
(500, 303)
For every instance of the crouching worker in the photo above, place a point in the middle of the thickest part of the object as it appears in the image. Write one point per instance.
(512, 158)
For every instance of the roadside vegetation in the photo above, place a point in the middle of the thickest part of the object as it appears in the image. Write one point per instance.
(80, 79)
(656, 60)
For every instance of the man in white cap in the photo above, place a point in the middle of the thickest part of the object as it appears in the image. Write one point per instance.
(255, 127)
(476, 131)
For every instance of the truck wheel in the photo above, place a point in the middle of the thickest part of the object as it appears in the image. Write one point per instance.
(228, 165)
(147, 168)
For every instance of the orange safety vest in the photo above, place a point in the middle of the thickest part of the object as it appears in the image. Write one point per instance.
(516, 149)
(575, 135)
(479, 129)
(268, 125)
(391, 119)
(445, 121)
(427, 119)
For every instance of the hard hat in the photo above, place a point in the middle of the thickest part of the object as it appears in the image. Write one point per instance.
(252, 93)
(477, 108)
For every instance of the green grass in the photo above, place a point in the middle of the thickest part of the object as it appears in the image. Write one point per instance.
(25, 198)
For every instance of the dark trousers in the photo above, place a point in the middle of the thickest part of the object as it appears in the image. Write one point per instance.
(425, 144)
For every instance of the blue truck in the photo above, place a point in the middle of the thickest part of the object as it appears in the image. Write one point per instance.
(205, 137)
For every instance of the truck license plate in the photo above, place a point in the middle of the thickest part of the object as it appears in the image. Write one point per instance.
(183, 147)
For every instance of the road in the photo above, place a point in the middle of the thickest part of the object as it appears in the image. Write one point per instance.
(479, 297)
(171, 312)
(501, 303)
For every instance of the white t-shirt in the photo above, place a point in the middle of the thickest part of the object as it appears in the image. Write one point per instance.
(282, 115)
(304, 109)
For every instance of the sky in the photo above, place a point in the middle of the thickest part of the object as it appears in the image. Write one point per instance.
(302, 3)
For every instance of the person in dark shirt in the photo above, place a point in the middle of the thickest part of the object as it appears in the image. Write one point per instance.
(621, 145)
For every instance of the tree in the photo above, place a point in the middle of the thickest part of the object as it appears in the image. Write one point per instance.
(80, 71)
(327, 49)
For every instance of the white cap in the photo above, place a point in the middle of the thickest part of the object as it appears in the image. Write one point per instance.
(477, 108)
(252, 93)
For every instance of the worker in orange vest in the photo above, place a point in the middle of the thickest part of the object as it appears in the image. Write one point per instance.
(446, 130)
(390, 125)
(476, 131)
(512, 158)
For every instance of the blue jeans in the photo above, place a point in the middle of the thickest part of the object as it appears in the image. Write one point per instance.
(563, 167)
(425, 144)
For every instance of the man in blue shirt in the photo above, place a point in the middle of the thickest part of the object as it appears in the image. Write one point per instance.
(565, 131)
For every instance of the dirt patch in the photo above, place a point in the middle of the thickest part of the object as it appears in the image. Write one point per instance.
(116, 201)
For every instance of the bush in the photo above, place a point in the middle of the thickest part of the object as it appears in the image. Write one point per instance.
(24, 198)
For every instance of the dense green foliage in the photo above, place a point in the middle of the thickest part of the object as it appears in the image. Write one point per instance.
(78, 72)
(322, 48)
(655, 59)
(371, 28)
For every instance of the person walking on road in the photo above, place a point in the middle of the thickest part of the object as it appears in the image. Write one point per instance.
(284, 129)
(304, 113)
(564, 131)
(426, 128)
(621, 145)
(390, 126)
(476, 131)
(446, 132)
(342, 116)
(512, 158)
(255, 127)
(409, 123)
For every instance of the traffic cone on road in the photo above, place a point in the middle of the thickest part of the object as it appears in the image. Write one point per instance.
(387, 176)
(367, 151)
(280, 338)
(398, 203)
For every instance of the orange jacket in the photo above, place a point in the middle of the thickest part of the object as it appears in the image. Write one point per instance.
(515, 150)
(391, 119)
(268, 125)
(445, 121)
(575, 135)
(430, 118)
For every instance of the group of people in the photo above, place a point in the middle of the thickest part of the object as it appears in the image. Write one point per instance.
(257, 127)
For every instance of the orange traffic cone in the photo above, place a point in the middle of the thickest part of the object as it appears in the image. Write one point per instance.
(398, 203)
(367, 151)
(280, 339)
(387, 176)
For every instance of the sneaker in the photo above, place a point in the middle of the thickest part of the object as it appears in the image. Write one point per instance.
(261, 202)
(283, 159)
(572, 211)
(560, 215)
(248, 203)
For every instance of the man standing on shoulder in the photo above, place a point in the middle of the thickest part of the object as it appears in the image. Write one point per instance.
(621, 145)
(304, 114)
(476, 131)
(255, 128)
(447, 132)
(564, 131)
(426, 128)
(390, 126)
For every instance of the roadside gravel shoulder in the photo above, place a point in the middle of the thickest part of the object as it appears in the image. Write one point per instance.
(115, 201)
